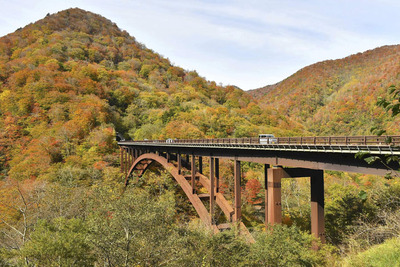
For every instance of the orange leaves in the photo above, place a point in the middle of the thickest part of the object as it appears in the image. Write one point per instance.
(30, 162)
(90, 112)
(100, 165)
(103, 139)
(182, 130)
(253, 188)
(176, 73)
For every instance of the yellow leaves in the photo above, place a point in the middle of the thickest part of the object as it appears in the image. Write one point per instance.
(103, 74)
(145, 70)
(179, 98)
(52, 64)
(90, 112)
(153, 100)
(31, 163)
(182, 130)
(191, 92)
(5, 96)
(16, 54)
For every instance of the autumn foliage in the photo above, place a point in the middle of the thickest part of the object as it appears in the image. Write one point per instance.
(72, 79)
(338, 97)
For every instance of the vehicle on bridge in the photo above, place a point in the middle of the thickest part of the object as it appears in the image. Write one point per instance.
(267, 139)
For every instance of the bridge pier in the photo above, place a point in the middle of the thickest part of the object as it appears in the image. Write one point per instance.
(179, 160)
(317, 206)
(237, 192)
(193, 173)
(212, 190)
(121, 150)
(216, 174)
(201, 164)
(132, 154)
(266, 167)
(273, 206)
(130, 157)
(126, 163)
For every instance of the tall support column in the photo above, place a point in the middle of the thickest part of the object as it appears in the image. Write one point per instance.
(212, 191)
(136, 154)
(266, 167)
(201, 164)
(275, 176)
(132, 153)
(121, 150)
(317, 206)
(216, 160)
(238, 195)
(129, 158)
(168, 156)
(193, 170)
(179, 159)
(126, 161)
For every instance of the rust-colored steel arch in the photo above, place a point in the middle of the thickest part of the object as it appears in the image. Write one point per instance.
(143, 162)
(146, 159)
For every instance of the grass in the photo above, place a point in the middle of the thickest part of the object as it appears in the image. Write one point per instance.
(386, 254)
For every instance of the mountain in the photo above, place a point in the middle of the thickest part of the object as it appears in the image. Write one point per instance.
(338, 97)
(70, 80)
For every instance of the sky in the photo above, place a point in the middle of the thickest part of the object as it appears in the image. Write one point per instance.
(247, 43)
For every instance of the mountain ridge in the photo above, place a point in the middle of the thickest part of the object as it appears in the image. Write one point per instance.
(266, 88)
(354, 83)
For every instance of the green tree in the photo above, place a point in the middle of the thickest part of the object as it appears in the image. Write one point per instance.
(392, 103)
(227, 249)
(134, 229)
(285, 246)
(59, 242)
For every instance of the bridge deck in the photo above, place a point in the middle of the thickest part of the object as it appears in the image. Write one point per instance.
(334, 148)
(327, 153)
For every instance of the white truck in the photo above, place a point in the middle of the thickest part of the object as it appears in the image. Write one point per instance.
(266, 139)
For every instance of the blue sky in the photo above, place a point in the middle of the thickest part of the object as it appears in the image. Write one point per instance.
(247, 43)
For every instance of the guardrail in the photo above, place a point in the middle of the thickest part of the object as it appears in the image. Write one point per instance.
(316, 140)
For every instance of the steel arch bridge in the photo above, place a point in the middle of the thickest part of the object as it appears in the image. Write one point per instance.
(301, 156)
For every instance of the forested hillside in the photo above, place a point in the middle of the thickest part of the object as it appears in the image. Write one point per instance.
(69, 80)
(338, 97)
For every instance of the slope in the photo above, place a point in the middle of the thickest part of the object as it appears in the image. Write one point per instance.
(337, 97)
(68, 81)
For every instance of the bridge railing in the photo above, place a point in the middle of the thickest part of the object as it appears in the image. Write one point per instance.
(307, 140)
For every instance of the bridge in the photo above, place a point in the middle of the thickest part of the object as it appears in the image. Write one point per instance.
(283, 157)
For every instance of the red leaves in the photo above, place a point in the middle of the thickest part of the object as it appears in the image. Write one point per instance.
(253, 188)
